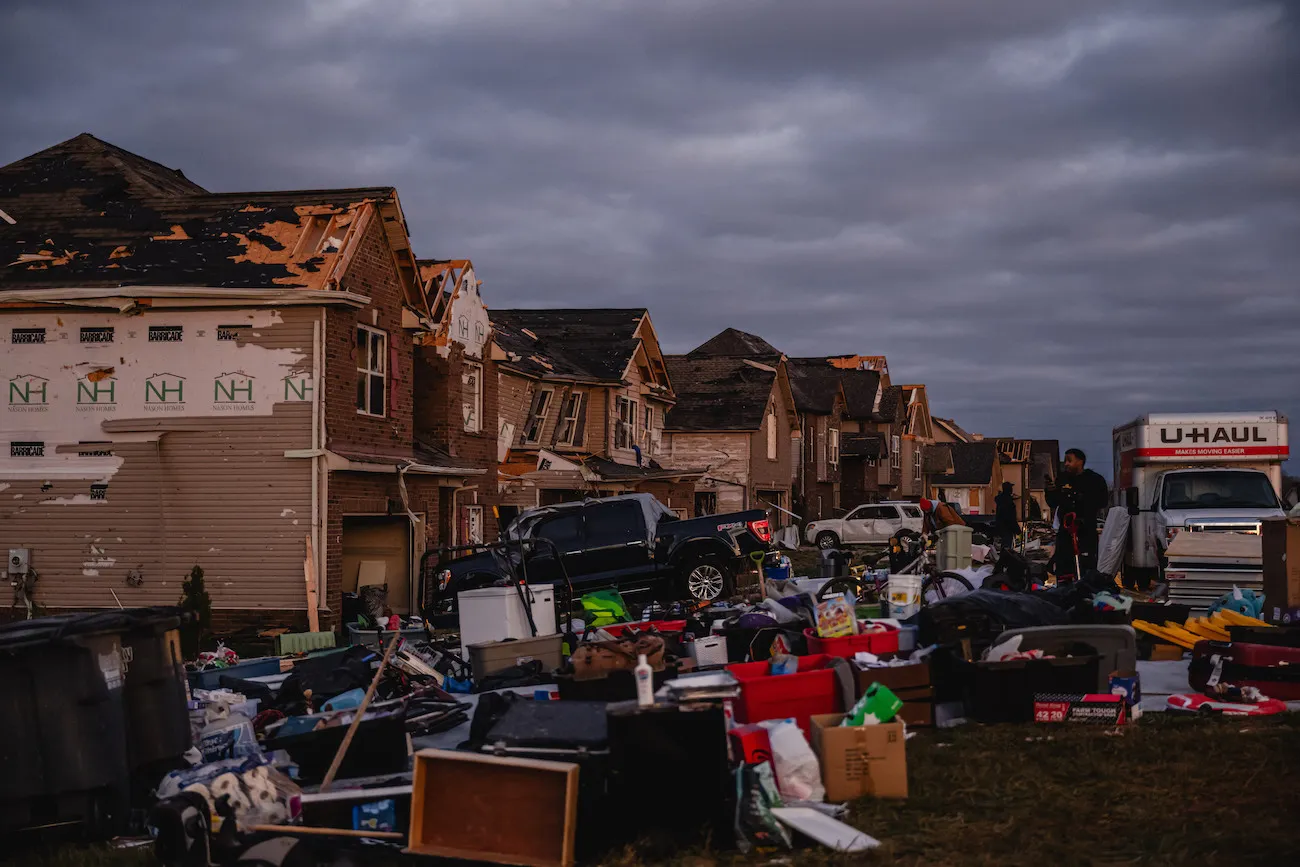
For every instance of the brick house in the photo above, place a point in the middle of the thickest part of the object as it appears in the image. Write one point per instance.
(734, 417)
(214, 379)
(582, 399)
(456, 387)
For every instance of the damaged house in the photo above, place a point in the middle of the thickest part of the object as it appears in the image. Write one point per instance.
(215, 379)
(734, 417)
(583, 395)
(974, 479)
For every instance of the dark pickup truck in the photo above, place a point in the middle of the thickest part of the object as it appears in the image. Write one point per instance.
(630, 543)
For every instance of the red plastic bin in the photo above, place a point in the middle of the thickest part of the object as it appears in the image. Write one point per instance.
(809, 691)
(616, 630)
(866, 642)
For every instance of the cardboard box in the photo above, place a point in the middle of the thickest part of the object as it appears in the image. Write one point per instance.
(1091, 708)
(1281, 562)
(896, 677)
(916, 693)
(861, 760)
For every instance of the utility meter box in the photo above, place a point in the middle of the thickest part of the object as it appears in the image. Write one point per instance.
(20, 560)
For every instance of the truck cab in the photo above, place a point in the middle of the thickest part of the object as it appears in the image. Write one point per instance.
(1196, 473)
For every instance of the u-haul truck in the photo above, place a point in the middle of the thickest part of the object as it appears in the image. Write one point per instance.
(1217, 473)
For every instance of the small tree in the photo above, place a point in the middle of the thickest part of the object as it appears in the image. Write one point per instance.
(196, 602)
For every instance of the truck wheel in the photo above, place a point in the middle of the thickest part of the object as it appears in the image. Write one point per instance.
(827, 540)
(708, 579)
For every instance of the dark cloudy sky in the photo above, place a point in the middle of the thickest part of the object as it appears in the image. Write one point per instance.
(1055, 214)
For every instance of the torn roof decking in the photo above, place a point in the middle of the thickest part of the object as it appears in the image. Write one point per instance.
(815, 382)
(594, 345)
(972, 464)
(87, 213)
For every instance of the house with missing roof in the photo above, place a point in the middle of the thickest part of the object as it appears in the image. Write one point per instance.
(227, 380)
(734, 418)
(582, 397)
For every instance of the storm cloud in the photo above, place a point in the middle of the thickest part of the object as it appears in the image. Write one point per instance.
(1057, 215)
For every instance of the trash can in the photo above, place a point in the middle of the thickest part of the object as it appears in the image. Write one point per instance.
(62, 711)
(155, 691)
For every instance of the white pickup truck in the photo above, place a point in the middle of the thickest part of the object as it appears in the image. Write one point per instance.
(1199, 473)
(866, 525)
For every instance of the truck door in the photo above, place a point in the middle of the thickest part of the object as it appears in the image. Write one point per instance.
(564, 529)
(616, 550)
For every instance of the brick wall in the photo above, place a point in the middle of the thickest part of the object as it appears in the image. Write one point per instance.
(372, 273)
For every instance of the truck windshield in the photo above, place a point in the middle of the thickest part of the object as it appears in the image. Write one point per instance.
(1231, 490)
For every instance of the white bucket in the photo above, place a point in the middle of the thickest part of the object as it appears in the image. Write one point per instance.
(904, 595)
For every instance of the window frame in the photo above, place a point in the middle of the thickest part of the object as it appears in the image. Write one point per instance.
(772, 433)
(896, 452)
(625, 426)
(474, 369)
(833, 447)
(568, 421)
(369, 372)
(543, 407)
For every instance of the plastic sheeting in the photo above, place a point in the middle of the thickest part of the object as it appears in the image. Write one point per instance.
(1114, 541)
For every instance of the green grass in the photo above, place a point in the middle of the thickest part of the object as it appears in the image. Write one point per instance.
(1164, 791)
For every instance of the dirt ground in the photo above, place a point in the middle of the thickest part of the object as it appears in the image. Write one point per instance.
(1166, 790)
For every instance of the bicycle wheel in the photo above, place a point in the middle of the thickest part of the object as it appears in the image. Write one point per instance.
(935, 588)
(836, 586)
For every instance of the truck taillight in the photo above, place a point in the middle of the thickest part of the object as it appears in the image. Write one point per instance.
(762, 529)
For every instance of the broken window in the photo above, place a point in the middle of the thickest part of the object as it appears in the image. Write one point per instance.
(97, 335)
(232, 332)
(532, 433)
(27, 336)
(896, 455)
(573, 420)
(472, 397)
(625, 426)
(166, 333)
(480, 333)
(26, 450)
(372, 370)
(706, 503)
(771, 432)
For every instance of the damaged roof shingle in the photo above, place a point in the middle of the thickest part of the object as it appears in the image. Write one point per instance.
(972, 464)
(87, 213)
(594, 345)
(718, 393)
(815, 382)
(734, 342)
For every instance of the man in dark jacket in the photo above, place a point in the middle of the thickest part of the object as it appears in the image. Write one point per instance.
(1004, 516)
(1078, 498)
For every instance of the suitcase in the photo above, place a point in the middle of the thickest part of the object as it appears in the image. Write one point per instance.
(1274, 671)
(1274, 636)
(563, 731)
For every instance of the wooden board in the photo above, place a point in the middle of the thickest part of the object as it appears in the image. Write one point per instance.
(497, 809)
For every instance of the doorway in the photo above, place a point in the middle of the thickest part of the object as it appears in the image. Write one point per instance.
(377, 550)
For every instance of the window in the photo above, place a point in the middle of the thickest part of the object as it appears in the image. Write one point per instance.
(166, 333)
(97, 335)
(232, 332)
(372, 370)
(532, 433)
(99, 491)
(912, 512)
(771, 432)
(834, 447)
(706, 503)
(471, 381)
(26, 450)
(573, 420)
(916, 464)
(625, 427)
(564, 529)
(464, 328)
(615, 523)
(649, 421)
(27, 336)
(895, 453)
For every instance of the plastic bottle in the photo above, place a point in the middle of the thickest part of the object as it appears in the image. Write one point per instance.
(645, 690)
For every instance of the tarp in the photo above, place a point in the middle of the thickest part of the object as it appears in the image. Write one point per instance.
(1114, 540)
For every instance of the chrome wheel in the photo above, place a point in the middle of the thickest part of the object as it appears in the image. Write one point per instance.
(705, 582)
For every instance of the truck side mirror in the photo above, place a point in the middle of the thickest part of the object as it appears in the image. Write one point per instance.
(1131, 501)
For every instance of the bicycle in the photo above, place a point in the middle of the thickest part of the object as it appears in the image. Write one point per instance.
(916, 558)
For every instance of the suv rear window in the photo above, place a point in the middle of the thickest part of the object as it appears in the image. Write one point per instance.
(912, 512)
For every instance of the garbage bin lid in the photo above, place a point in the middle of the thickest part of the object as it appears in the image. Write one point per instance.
(55, 627)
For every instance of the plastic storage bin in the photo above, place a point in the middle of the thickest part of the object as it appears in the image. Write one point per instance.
(809, 691)
(1004, 691)
(374, 638)
(492, 656)
(866, 642)
(211, 678)
(63, 715)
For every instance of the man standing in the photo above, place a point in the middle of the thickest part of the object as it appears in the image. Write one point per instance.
(1079, 496)
(1005, 521)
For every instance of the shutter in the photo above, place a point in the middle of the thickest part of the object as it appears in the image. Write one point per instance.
(532, 411)
(559, 419)
(580, 435)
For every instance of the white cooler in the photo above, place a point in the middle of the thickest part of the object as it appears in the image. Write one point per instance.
(497, 613)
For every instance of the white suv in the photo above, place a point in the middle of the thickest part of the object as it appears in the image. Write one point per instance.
(865, 525)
